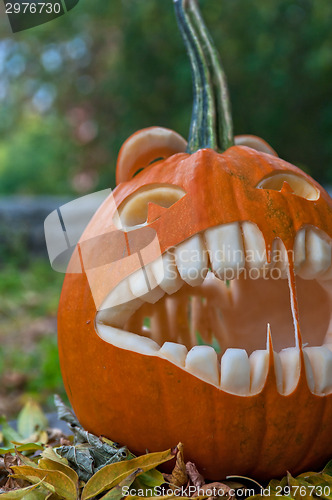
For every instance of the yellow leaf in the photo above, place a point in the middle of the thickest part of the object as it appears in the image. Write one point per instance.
(25, 460)
(21, 493)
(116, 493)
(46, 463)
(51, 454)
(31, 419)
(299, 489)
(55, 481)
(179, 474)
(111, 475)
(22, 447)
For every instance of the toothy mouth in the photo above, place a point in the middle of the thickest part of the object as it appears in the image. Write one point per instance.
(219, 289)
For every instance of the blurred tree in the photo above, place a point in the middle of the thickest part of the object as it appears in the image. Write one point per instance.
(72, 90)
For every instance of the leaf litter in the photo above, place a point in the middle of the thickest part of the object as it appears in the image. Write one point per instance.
(37, 462)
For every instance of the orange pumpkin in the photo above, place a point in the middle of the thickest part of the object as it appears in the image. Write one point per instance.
(197, 248)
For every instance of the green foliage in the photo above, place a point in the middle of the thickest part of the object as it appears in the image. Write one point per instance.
(28, 305)
(78, 86)
(34, 159)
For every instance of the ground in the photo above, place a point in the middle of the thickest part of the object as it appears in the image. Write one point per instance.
(29, 362)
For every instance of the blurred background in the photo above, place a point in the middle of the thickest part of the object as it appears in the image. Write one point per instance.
(72, 90)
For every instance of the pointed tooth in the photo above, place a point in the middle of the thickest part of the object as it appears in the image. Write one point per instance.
(119, 306)
(176, 353)
(127, 340)
(255, 247)
(321, 363)
(312, 254)
(235, 372)
(202, 361)
(166, 274)
(225, 247)
(142, 284)
(191, 260)
(291, 369)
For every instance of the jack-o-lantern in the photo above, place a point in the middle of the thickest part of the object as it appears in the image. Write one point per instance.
(167, 342)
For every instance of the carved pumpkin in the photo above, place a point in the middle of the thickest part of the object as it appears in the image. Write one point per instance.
(232, 223)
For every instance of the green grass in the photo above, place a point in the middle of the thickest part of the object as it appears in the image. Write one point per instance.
(29, 360)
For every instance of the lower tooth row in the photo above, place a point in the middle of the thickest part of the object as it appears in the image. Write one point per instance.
(237, 373)
(243, 375)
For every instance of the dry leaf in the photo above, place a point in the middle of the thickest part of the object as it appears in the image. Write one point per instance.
(113, 474)
(195, 477)
(179, 475)
(17, 494)
(116, 493)
(55, 481)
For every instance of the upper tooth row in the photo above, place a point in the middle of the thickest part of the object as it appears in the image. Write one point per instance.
(234, 247)
(236, 373)
(189, 263)
(229, 249)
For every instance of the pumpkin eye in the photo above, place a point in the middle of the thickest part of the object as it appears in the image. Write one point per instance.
(136, 208)
(291, 183)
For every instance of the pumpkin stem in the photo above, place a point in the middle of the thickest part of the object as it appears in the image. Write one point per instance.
(211, 123)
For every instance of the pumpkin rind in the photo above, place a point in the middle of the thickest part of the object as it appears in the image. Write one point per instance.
(143, 400)
(147, 402)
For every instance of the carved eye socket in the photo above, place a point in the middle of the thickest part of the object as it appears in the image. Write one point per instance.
(149, 202)
(291, 183)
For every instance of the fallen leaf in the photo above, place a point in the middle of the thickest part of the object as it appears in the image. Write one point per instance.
(55, 481)
(46, 463)
(8, 433)
(195, 477)
(298, 488)
(25, 460)
(51, 454)
(152, 478)
(22, 447)
(116, 493)
(21, 493)
(328, 468)
(113, 474)
(179, 476)
(80, 459)
(65, 413)
(31, 419)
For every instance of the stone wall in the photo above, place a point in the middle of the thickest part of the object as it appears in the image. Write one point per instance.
(22, 224)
